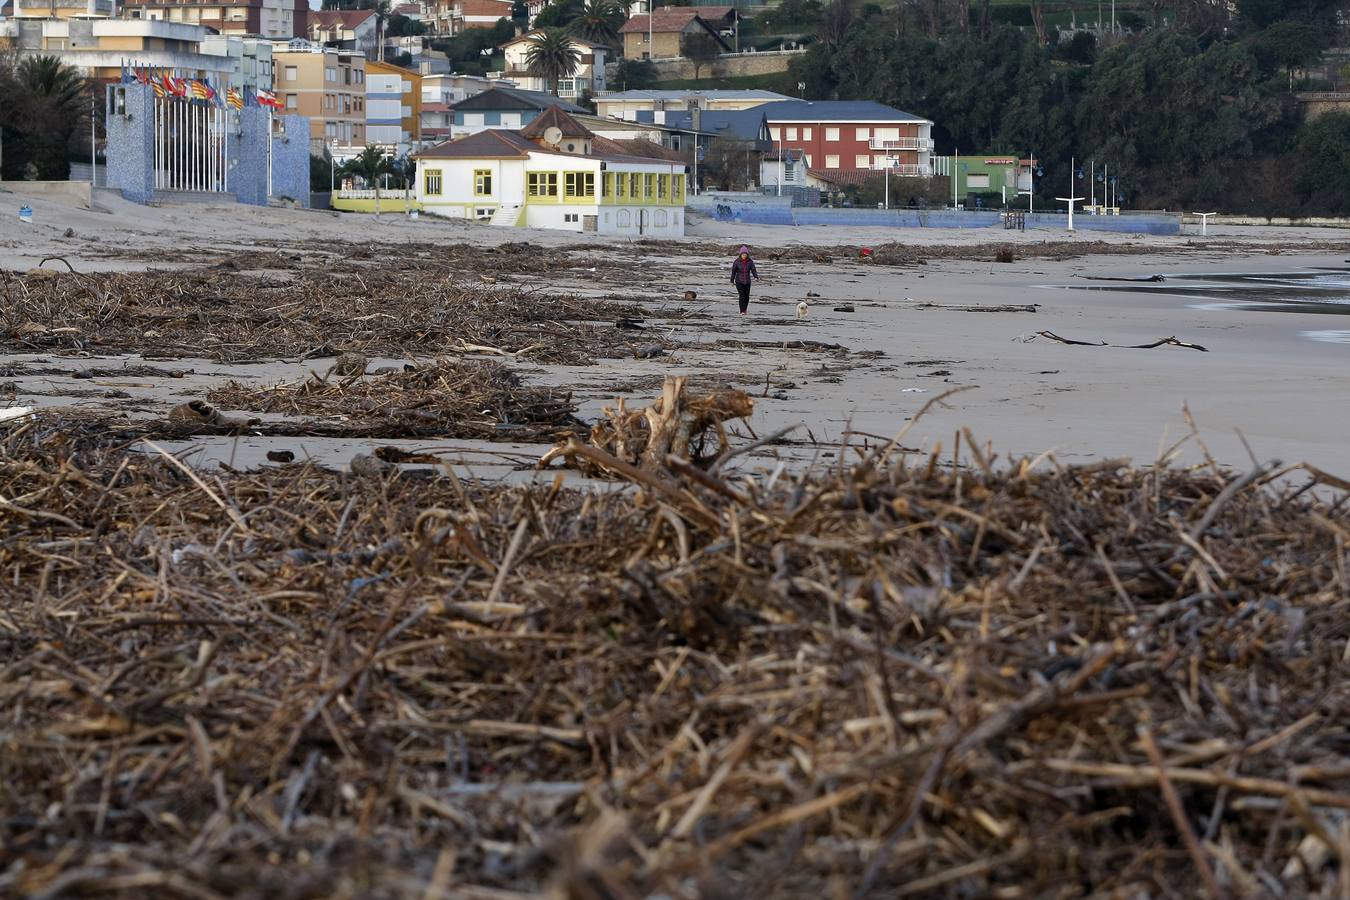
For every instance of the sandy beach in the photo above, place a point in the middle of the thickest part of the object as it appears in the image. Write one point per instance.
(915, 331)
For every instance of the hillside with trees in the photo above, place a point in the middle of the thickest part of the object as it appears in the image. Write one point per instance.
(1193, 108)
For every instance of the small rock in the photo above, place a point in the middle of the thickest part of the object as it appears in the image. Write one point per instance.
(70, 232)
(368, 466)
(651, 351)
(847, 307)
(691, 295)
(348, 365)
(280, 456)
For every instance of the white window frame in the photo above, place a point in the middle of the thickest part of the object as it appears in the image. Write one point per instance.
(292, 73)
(862, 161)
(863, 134)
(832, 161)
(806, 134)
(791, 134)
(831, 134)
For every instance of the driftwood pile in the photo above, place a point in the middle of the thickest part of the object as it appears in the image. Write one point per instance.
(313, 314)
(675, 430)
(448, 398)
(894, 678)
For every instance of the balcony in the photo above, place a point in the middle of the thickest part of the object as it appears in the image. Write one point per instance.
(907, 169)
(904, 143)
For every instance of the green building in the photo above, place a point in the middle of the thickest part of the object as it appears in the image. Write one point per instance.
(987, 181)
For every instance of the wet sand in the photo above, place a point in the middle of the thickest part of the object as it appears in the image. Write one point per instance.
(1263, 378)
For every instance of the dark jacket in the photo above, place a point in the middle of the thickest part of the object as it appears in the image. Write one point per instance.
(741, 272)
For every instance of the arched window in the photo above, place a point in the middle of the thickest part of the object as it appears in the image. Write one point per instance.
(625, 219)
(659, 219)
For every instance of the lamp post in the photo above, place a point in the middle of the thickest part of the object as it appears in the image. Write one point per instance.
(1071, 198)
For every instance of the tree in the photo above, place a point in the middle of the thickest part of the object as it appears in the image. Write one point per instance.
(634, 74)
(369, 166)
(552, 56)
(558, 14)
(700, 49)
(1324, 164)
(520, 15)
(44, 106)
(598, 23)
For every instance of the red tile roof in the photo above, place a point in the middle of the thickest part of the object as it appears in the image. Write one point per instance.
(490, 144)
(348, 18)
(844, 177)
(553, 117)
(675, 18)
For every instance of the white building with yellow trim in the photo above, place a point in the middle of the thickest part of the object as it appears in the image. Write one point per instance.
(552, 174)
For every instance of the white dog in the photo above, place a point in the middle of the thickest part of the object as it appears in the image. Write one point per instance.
(801, 310)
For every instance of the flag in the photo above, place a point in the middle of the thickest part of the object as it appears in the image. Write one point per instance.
(234, 98)
(181, 87)
(159, 89)
(267, 98)
(169, 87)
(143, 76)
(211, 95)
(199, 91)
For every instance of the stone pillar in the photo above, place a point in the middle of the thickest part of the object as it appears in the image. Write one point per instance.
(290, 160)
(248, 157)
(131, 142)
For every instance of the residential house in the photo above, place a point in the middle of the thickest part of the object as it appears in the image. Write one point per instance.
(847, 135)
(507, 108)
(275, 19)
(530, 177)
(631, 104)
(667, 27)
(393, 106)
(353, 30)
(439, 95)
(451, 17)
(328, 86)
(409, 11)
(787, 168)
(589, 77)
(100, 48)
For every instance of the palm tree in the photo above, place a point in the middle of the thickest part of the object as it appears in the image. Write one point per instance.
(368, 166)
(47, 76)
(551, 56)
(598, 23)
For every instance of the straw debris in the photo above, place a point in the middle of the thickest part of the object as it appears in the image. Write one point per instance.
(896, 677)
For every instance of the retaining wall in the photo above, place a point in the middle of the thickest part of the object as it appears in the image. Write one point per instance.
(77, 192)
(730, 65)
(753, 210)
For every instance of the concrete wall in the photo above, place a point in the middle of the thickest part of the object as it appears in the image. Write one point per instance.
(75, 192)
(248, 157)
(1310, 222)
(753, 210)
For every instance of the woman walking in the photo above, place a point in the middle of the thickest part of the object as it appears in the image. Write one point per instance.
(742, 270)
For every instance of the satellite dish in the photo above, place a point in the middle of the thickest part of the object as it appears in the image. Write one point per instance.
(552, 135)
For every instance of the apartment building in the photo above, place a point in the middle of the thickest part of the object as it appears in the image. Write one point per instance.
(393, 106)
(451, 17)
(852, 135)
(328, 86)
(99, 48)
(439, 95)
(589, 76)
(276, 19)
(250, 56)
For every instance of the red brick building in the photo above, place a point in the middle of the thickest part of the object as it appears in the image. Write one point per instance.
(852, 135)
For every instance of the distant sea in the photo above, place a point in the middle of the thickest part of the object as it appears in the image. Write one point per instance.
(1324, 291)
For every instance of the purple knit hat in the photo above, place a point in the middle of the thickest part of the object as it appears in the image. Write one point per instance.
(744, 249)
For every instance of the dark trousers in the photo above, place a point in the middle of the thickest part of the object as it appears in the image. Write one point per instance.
(744, 291)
